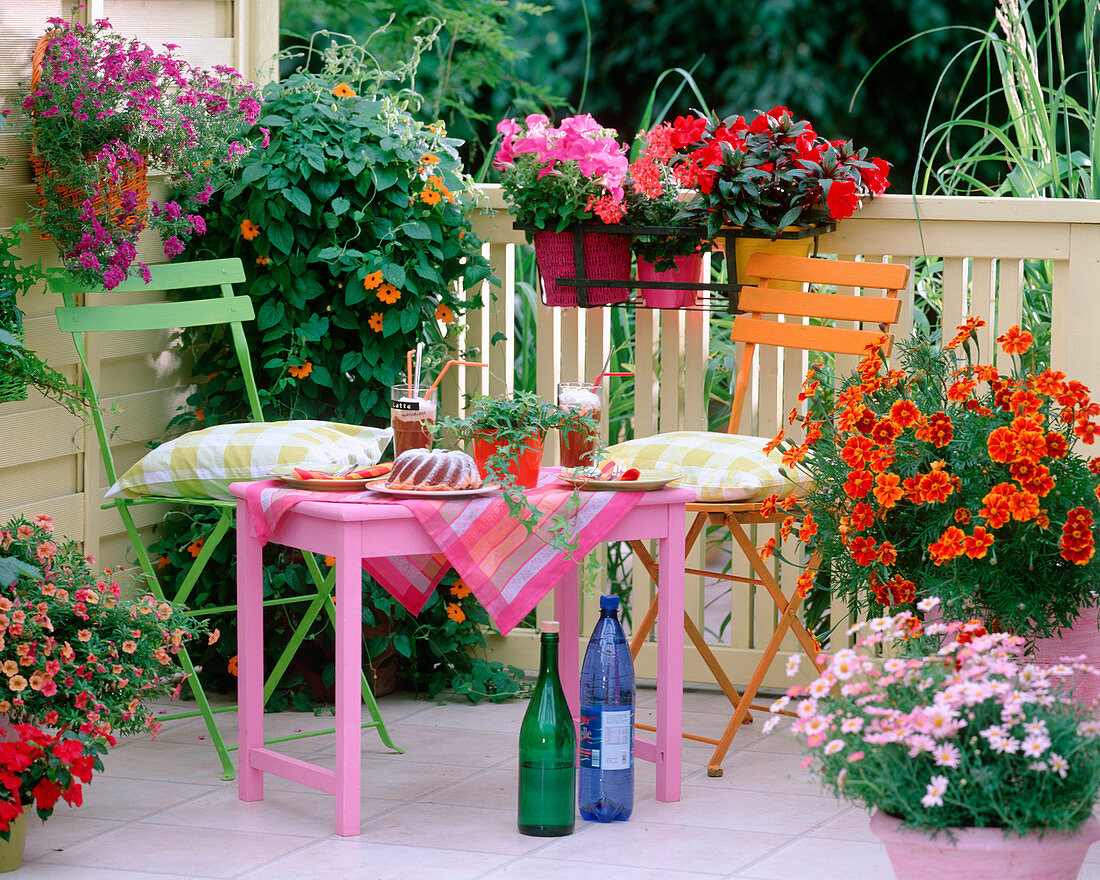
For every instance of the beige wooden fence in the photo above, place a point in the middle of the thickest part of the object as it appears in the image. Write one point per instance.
(43, 462)
(982, 243)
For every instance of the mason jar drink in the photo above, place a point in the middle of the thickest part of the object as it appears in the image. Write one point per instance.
(578, 448)
(411, 417)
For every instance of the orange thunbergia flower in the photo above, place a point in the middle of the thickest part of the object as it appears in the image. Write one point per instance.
(162, 561)
(888, 491)
(249, 230)
(195, 547)
(343, 90)
(429, 159)
(1015, 341)
(375, 322)
(372, 280)
(302, 371)
(200, 414)
(977, 545)
(388, 294)
(261, 260)
(330, 561)
(459, 590)
(455, 613)
(444, 313)
(231, 666)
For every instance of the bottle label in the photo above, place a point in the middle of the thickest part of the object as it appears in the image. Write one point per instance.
(607, 738)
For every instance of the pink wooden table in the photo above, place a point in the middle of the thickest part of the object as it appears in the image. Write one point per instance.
(349, 533)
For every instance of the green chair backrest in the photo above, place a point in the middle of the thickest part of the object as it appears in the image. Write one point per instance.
(222, 309)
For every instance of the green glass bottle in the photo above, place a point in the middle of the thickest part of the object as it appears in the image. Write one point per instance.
(547, 751)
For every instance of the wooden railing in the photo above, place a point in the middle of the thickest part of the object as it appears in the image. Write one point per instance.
(982, 243)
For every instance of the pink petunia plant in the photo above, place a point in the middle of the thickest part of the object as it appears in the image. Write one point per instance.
(557, 176)
(104, 104)
(945, 725)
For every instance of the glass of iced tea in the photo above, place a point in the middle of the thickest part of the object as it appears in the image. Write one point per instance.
(411, 417)
(578, 448)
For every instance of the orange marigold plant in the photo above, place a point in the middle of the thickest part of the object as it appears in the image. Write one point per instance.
(948, 478)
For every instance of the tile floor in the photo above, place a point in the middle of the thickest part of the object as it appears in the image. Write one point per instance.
(446, 809)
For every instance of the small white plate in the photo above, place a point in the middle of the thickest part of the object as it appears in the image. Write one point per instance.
(379, 485)
(647, 481)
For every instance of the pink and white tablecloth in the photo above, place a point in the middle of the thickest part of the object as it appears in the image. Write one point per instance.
(508, 569)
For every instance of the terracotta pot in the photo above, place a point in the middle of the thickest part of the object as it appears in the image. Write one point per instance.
(1081, 638)
(983, 853)
(688, 269)
(524, 468)
(11, 850)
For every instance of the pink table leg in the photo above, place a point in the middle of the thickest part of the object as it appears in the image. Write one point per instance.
(349, 650)
(250, 657)
(670, 656)
(567, 610)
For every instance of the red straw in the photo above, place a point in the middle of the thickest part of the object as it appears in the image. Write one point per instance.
(599, 378)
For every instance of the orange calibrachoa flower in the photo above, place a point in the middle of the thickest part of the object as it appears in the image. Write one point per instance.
(388, 294)
(300, 372)
(942, 476)
(249, 230)
(343, 90)
(375, 322)
(444, 313)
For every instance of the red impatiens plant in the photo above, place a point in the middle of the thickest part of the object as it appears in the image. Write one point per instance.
(946, 478)
(775, 172)
(39, 769)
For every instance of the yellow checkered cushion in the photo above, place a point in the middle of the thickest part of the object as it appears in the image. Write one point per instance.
(720, 467)
(203, 463)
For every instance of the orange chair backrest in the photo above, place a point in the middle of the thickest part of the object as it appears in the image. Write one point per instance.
(763, 310)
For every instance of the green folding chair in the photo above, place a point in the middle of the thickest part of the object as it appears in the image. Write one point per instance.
(224, 308)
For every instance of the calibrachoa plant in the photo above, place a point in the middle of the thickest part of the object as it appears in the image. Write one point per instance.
(105, 102)
(656, 194)
(775, 172)
(75, 653)
(955, 732)
(39, 768)
(946, 477)
(554, 176)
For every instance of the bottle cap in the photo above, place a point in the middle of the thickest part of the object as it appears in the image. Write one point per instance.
(550, 626)
(610, 602)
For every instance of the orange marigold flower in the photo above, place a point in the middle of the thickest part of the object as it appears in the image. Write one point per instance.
(935, 487)
(455, 613)
(774, 442)
(863, 550)
(430, 196)
(808, 390)
(343, 90)
(372, 280)
(949, 545)
(885, 432)
(977, 545)
(1015, 341)
(888, 491)
(964, 332)
(1057, 447)
(938, 430)
(785, 528)
(858, 484)
(961, 390)
(768, 549)
(444, 313)
(1030, 446)
(1078, 543)
(794, 455)
(249, 230)
(887, 553)
(767, 506)
(904, 413)
(805, 584)
(375, 322)
(1050, 382)
(1086, 429)
(996, 511)
(388, 294)
(855, 451)
(881, 459)
(1001, 444)
(808, 529)
(962, 516)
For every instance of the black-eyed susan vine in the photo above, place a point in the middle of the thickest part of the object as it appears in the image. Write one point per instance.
(350, 222)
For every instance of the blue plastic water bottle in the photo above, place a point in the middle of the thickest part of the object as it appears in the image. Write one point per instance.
(606, 783)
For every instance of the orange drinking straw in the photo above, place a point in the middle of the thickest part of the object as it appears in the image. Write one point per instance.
(409, 370)
(446, 367)
(599, 378)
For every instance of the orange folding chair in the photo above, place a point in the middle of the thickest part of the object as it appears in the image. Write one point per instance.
(783, 318)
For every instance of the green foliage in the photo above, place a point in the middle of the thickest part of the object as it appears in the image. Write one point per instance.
(18, 279)
(351, 225)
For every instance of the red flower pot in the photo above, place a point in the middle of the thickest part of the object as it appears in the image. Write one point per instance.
(606, 256)
(524, 468)
(689, 269)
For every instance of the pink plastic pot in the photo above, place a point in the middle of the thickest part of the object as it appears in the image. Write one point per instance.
(1081, 638)
(688, 269)
(983, 853)
(606, 257)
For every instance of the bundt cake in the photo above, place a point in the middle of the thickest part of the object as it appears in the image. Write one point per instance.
(433, 470)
